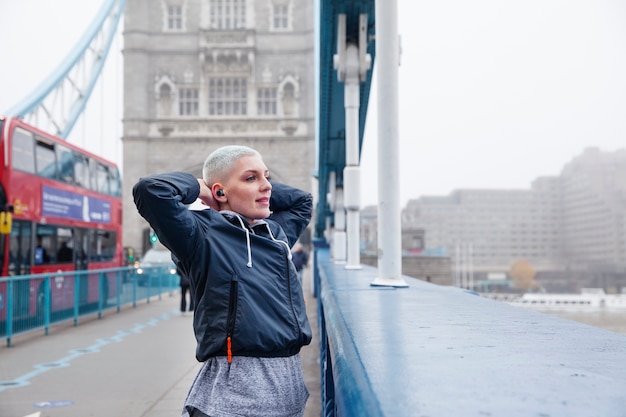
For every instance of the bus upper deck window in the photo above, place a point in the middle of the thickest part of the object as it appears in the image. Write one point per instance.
(23, 151)
(66, 164)
(102, 184)
(46, 161)
(81, 171)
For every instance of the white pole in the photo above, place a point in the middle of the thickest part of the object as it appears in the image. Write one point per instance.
(389, 228)
(351, 178)
(331, 197)
(340, 59)
(339, 235)
(351, 173)
(352, 63)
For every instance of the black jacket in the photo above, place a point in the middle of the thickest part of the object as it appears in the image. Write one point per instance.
(244, 284)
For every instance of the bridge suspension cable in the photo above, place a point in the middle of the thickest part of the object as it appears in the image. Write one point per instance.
(57, 103)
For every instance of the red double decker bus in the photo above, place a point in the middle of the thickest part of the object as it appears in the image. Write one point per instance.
(60, 210)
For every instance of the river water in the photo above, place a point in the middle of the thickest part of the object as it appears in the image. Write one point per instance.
(614, 321)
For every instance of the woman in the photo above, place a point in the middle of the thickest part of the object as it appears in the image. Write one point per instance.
(249, 319)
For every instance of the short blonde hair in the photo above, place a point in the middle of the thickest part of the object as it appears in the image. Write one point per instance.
(218, 165)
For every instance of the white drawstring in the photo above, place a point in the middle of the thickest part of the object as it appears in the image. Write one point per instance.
(247, 232)
(249, 264)
(277, 240)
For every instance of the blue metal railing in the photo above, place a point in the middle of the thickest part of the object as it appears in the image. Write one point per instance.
(442, 351)
(34, 302)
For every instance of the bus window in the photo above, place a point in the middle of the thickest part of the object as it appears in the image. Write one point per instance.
(103, 244)
(19, 248)
(46, 245)
(22, 156)
(66, 164)
(81, 170)
(102, 183)
(107, 180)
(113, 178)
(65, 254)
(108, 242)
(93, 170)
(81, 248)
(45, 159)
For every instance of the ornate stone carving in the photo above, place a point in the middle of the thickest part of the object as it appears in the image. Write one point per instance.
(165, 130)
(227, 127)
(289, 126)
(214, 37)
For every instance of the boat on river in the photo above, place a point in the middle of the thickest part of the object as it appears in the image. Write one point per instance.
(591, 299)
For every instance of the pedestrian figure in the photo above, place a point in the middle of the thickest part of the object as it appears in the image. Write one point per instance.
(185, 287)
(64, 254)
(250, 318)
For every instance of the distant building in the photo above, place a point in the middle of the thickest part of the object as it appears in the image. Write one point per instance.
(368, 230)
(593, 212)
(202, 74)
(570, 228)
(412, 238)
(417, 261)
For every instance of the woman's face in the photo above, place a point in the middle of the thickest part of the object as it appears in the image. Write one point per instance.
(247, 189)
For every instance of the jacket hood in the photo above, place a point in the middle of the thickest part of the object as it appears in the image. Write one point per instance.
(260, 227)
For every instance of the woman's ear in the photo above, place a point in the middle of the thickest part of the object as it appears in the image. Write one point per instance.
(218, 192)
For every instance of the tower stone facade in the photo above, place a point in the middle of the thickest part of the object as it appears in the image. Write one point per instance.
(200, 74)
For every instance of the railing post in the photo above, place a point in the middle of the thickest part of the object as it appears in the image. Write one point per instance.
(160, 285)
(101, 278)
(389, 229)
(9, 314)
(134, 282)
(119, 285)
(46, 304)
(148, 286)
(76, 297)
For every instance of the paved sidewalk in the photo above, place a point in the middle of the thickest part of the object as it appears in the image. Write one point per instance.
(139, 363)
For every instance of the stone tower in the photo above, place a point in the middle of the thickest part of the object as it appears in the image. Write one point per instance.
(200, 74)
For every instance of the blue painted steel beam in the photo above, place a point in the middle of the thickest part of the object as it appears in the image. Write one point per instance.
(111, 9)
(331, 113)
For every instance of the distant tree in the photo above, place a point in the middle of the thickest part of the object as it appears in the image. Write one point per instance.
(523, 275)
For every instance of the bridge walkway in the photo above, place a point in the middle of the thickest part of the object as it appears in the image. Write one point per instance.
(139, 362)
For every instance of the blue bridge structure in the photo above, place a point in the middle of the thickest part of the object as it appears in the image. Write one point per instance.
(392, 345)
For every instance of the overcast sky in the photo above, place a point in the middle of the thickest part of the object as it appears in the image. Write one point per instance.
(36, 35)
(493, 93)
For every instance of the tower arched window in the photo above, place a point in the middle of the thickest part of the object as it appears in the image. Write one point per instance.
(165, 100)
(289, 100)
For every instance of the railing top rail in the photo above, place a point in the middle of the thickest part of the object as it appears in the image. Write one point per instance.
(441, 351)
(64, 273)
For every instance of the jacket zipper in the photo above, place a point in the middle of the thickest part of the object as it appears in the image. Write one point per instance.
(293, 310)
(232, 314)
